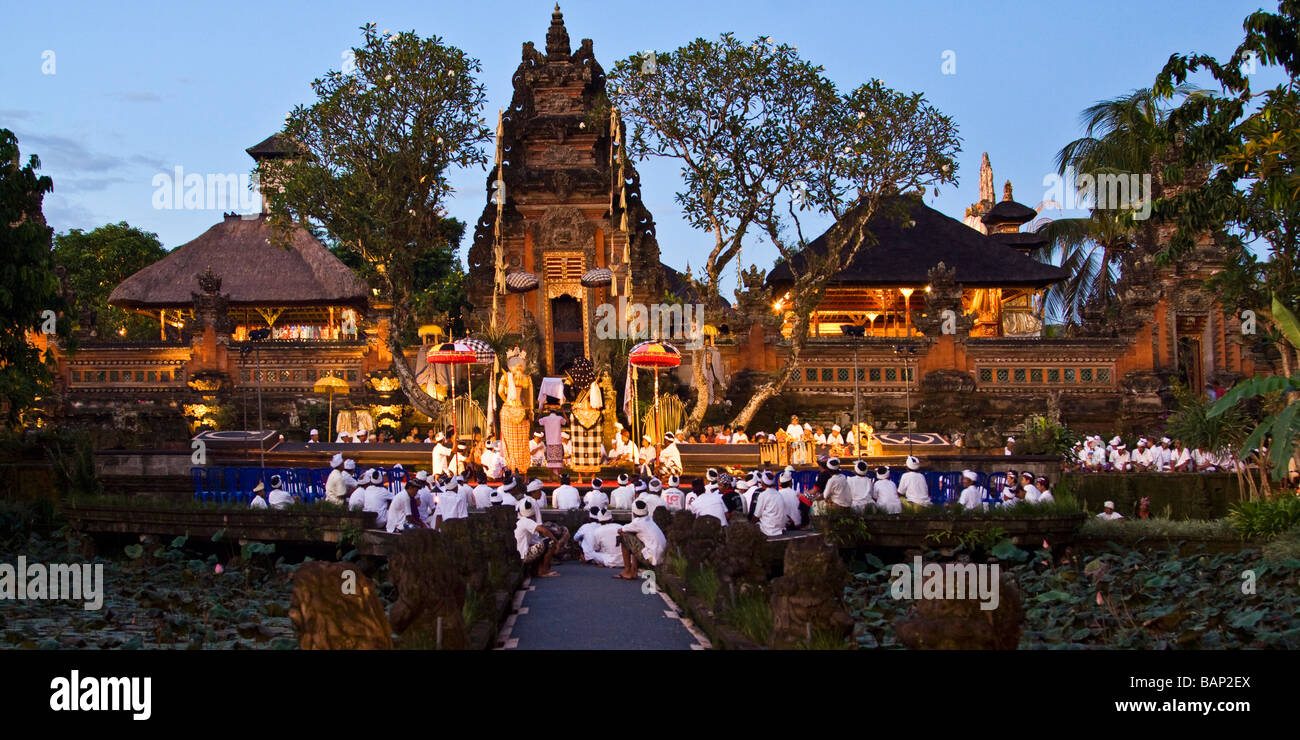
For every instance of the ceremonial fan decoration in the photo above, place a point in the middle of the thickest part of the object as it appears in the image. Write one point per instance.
(521, 282)
(597, 277)
(582, 373)
(653, 355)
(452, 353)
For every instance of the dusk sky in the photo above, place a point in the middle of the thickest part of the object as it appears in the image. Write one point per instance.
(140, 88)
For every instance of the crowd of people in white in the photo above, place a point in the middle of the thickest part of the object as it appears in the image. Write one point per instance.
(1166, 456)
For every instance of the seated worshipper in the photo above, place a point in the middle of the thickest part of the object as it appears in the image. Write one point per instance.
(258, 502)
(566, 496)
(1119, 459)
(357, 499)
(536, 543)
(670, 459)
(1141, 458)
(401, 515)
(456, 466)
(1164, 456)
(1027, 484)
(835, 437)
(583, 537)
(425, 500)
(711, 479)
(791, 498)
(710, 502)
(336, 487)
(651, 495)
(624, 451)
(886, 492)
(537, 450)
(363, 436)
(377, 497)
(428, 437)
(739, 437)
(731, 500)
(506, 491)
(344, 437)
(673, 497)
(769, 507)
(482, 491)
(820, 436)
(607, 542)
(643, 542)
(1010, 482)
(313, 437)
(536, 490)
(972, 495)
(837, 492)
(697, 488)
(1044, 491)
(912, 486)
(494, 463)
(1011, 441)
(1110, 514)
(1180, 457)
(451, 503)
(623, 496)
(645, 457)
(596, 496)
(279, 498)
(795, 430)
(860, 486)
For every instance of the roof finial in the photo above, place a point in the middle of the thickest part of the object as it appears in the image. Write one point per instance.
(1006, 191)
(557, 38)
(986, 179)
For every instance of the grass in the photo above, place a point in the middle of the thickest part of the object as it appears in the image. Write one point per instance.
(1285, 546)
(751, 616)
(1265, 519)
(474, 608)
(678, 564)
(704, 583)
(825, 641)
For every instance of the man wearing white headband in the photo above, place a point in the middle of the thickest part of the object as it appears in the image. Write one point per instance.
(584, 538)
(258, 502)
(835, 438)
(860, 486)
(1119, 457)
(709, 503)
(336, 488)
(651, 496)
(790, 497)
(836, 488)
(607, 542)
(673, 496)
(596, 496)
(452, 503)
(646, 456)
(1162, 456)
(1008, 449)
(912, 485)
(536, 543)
(377, 498)
(972, 496)
(886, 492)
(507, 492)
(536, 490)
(493, 462)
(624, 495)
(566, 496)
(1141, 458)
(482, 491)
(670, 458)
(643, 542)
(313, 437)
(768, 507)
(1110, 514)
(425, 500)
(624, 450)
(536, 450)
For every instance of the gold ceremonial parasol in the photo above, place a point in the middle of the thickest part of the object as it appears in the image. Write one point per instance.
(330, 384)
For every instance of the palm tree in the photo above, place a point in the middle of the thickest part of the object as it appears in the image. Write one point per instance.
(1121, 136)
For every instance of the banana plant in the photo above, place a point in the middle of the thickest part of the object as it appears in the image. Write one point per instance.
(1284, 426)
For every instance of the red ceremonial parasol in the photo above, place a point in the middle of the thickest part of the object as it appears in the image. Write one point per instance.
(452, 353)
(653, 355)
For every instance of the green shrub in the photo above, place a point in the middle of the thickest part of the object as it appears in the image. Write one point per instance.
(1130, 530)
(1285, 546)
(1265, 519)
(751, 616)
(704, 583)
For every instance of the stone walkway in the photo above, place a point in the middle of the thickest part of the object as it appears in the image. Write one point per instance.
(586, 608)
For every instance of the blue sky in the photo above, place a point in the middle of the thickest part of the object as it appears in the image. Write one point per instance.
(139, 88)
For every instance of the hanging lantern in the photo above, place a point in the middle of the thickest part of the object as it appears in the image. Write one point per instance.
(597, 277)
(521, 282)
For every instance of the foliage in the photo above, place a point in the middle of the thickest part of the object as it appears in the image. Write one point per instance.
(1282, 427)
(1253, 137)
(1045, 436)
(1285, 546)
(1265, 519)
(1124, 599)
(28, 284)
(1195, 426)
(1134, 529)
(704, 583)
(376, 150)
(844, 527)
(93, 263)
(475, 608)
(751, 615)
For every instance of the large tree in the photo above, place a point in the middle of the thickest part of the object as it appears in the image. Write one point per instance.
(93, 263)
(29, 287)
(765, 144)
(1251, 195)
(738, 119)
(378, 146)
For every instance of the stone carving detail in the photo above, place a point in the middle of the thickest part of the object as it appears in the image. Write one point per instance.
(210, 306)
(563, 228)
(944, 295)
(327, 618)
(960, 624)
(807, 597)
(947, 381)
(425, 567)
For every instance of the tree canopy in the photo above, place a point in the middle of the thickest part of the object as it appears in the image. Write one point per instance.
(93, 263)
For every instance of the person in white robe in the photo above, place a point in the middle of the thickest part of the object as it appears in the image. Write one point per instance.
(482, 491)
(673, 496)
(376, 498)
(258, 502)
(566, 496)
(536, 450)
(1109, 513)
(791, 498)
(596, 496)
(278, 498)
(493, 462)
(584, 536)
(972, 495)
(336, 489)
(643, 542)
(399, 511)
(651, 495)
(860, 486)
(1030, 490)
(670, 458)
(607, 542)
(624, 450)
(886, 492)
(1044, 491)
(912, 485)
(769, 508)
(646, 456)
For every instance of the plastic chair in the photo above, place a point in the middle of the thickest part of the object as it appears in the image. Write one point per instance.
(199, 479)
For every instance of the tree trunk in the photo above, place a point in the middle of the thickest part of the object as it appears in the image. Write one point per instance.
(701, 403)
(798, 338)
(415, 395)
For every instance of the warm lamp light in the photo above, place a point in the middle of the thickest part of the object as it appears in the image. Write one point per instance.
(907, 292)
